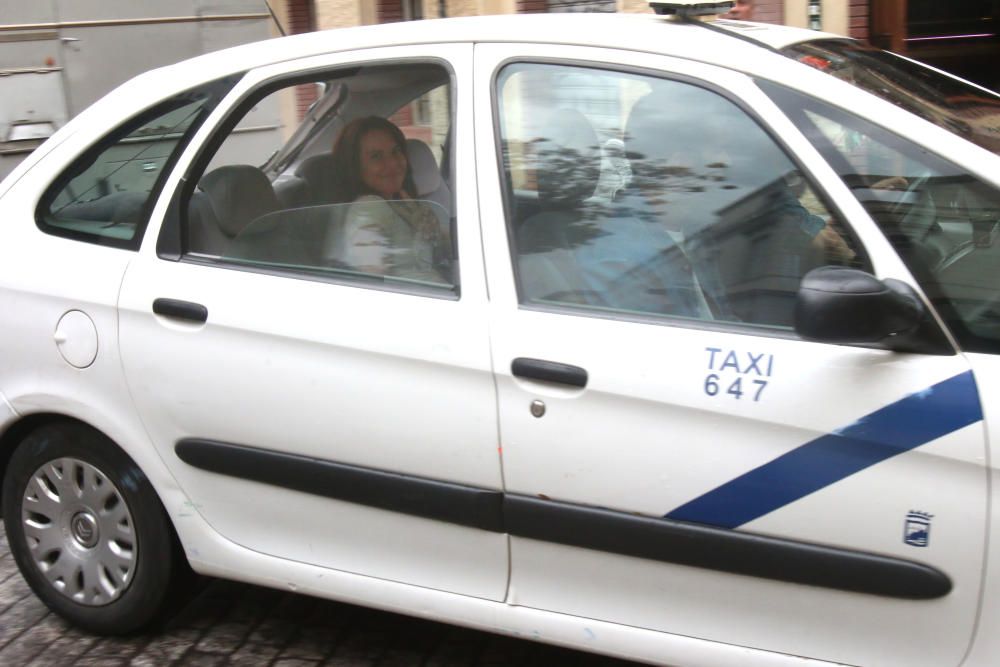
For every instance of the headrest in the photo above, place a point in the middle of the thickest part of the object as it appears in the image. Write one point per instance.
(567, 159)
(239, 193)
(646, 130)
(661, 122)
(423, 166)
(658, 139)
(318, 172)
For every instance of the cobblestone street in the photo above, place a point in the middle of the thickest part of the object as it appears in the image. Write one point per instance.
(227, 623)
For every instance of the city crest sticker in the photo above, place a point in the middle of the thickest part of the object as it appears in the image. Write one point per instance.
(917, 529)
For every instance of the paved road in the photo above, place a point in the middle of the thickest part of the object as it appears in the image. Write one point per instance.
(234, 624)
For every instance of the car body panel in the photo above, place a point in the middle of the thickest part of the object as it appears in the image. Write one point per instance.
(644, 437)
(216, 556)
(987, 645)
(41, 287)
(338, 384)
(420, 386)
(7, 414)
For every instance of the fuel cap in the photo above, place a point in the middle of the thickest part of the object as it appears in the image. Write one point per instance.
(76, 338)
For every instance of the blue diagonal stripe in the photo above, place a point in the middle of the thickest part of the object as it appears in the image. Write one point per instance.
(894, 429)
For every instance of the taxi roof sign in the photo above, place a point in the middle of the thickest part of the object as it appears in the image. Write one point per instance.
(689, 8)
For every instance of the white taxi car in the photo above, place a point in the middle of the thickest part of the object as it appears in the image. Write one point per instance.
(680, 340)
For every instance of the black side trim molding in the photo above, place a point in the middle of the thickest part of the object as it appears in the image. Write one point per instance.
(454, 503)
(721, 549)
(652, 538)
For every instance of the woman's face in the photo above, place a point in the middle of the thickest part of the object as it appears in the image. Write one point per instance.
(383, 164)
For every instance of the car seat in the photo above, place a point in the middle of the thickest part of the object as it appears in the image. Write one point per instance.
(230, 199)
(318, 173)
(427, 177)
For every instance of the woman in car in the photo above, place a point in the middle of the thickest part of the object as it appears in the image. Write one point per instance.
(385, 231)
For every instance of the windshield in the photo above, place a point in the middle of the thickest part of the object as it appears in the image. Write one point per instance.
(942, 220)
(960, 107)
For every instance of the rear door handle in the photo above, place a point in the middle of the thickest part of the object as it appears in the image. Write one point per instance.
(549, 371)
(181, 310)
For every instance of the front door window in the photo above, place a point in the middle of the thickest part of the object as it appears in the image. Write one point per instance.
(645, 197)
(942, 220)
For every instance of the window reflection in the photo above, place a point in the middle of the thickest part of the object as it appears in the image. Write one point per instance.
(967, 110)
(713, 222)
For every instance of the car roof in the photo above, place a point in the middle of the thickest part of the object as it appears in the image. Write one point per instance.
(774, 36)
(744, 46)
(733, 43)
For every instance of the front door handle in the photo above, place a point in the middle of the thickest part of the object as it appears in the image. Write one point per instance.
(181, 310)
(549, 371)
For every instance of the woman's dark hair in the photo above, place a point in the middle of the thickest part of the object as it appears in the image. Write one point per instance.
(347, 183)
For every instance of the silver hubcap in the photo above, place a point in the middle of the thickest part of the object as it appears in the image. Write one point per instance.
(85, 530)
(79, 531)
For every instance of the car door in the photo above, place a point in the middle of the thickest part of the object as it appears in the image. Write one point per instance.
(675, 457)
(941, 217)
(311, 413)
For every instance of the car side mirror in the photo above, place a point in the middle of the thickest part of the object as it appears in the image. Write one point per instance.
(848, 306)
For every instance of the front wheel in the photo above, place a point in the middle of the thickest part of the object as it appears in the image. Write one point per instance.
(87, 530)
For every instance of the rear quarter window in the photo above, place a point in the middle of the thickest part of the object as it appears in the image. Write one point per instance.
(106, 195)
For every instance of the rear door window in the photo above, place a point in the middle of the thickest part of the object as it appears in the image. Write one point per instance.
(358, 189)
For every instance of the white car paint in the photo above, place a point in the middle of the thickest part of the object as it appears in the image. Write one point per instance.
(673, 443)
(154, 381)
(339, 382)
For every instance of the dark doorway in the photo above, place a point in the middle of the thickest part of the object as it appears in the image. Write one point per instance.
(959, 36)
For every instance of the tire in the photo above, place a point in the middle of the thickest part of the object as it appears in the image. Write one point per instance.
(88, 531)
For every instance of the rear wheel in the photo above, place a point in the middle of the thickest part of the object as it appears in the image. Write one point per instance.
(87, 530)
